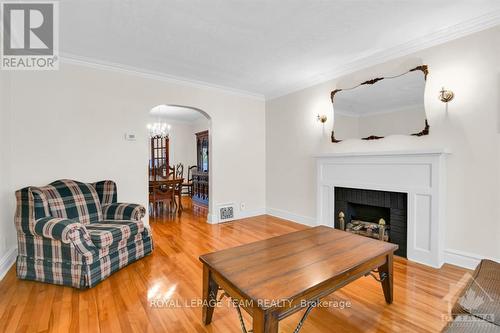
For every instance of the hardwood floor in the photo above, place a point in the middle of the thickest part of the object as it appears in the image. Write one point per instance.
(160, 292)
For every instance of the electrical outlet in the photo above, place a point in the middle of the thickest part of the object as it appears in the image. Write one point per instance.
(242, 206)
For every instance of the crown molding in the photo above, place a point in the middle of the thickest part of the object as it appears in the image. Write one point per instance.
(442, 36)
(72, 59)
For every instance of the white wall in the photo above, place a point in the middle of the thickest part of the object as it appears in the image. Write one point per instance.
(200, 125)
(76, 119)
(182, 145)
(469, 128)
(7, 201)
(183, 141)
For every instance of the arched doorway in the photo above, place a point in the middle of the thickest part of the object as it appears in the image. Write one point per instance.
(179, 161)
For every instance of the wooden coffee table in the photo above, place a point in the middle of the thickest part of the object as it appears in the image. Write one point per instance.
(277, 277)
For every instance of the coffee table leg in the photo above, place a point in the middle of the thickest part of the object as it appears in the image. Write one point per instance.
(387, 283)
(264, 322)
(210, 289)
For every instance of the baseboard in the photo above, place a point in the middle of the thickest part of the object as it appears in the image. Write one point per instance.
(214, 218)
(464, 259)
(306, 220)
(7, 261)
(250, 213)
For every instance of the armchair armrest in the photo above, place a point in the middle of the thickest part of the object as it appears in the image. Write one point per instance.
(123, 211)
(58, 228)
(66, 231)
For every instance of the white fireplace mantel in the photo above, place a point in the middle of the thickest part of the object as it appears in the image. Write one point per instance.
(419, 173)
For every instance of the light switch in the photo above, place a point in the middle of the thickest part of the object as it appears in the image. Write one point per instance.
(130, 137)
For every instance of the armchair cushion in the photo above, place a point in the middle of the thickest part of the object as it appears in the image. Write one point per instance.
(110, 232)
(123, 211)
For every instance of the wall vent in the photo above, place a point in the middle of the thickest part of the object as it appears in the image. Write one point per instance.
(226, 213)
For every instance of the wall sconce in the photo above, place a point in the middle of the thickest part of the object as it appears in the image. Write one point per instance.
(322, 118)
(446, 96)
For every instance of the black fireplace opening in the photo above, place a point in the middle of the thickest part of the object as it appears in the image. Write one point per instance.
(373, 213)
(368, 213)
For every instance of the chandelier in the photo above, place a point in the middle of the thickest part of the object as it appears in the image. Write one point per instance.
(158, 130)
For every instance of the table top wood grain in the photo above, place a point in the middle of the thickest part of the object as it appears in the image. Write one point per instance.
(288, 266)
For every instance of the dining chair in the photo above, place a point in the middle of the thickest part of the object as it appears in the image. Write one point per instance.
(162, 198)
(171, 172)
(177, 186)
(179, 171)
(187, 185)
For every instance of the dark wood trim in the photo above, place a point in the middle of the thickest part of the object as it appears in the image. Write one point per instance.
(373, 81)
(332, 94)
(334, 140)
(202, 133)
(202, 138)
(158, 144)
(425, 131)
(423, 68)
(372, 137)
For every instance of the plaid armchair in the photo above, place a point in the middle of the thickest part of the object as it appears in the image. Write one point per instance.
(76, 234)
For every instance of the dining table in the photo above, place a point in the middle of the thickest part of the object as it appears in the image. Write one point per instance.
(169, 182)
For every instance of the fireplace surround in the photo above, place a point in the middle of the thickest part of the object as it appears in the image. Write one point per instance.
(419, 174)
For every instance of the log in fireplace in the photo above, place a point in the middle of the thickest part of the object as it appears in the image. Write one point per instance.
(371, 213)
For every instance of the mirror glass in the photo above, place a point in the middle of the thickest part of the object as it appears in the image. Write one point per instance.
(389, 106)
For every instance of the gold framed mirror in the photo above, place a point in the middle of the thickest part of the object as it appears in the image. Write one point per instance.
(381, 107)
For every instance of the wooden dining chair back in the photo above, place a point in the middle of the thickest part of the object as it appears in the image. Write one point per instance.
(179, 172)
(190, 172)
(187, 185)
(161, 199)
(171, 172)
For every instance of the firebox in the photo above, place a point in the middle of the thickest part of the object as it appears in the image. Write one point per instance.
(372, 213)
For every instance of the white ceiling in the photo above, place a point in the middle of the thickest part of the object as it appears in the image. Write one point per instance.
(174, 112)
(266, 47)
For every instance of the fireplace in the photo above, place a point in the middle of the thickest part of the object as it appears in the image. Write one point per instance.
(376, 214)
(420, 174)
